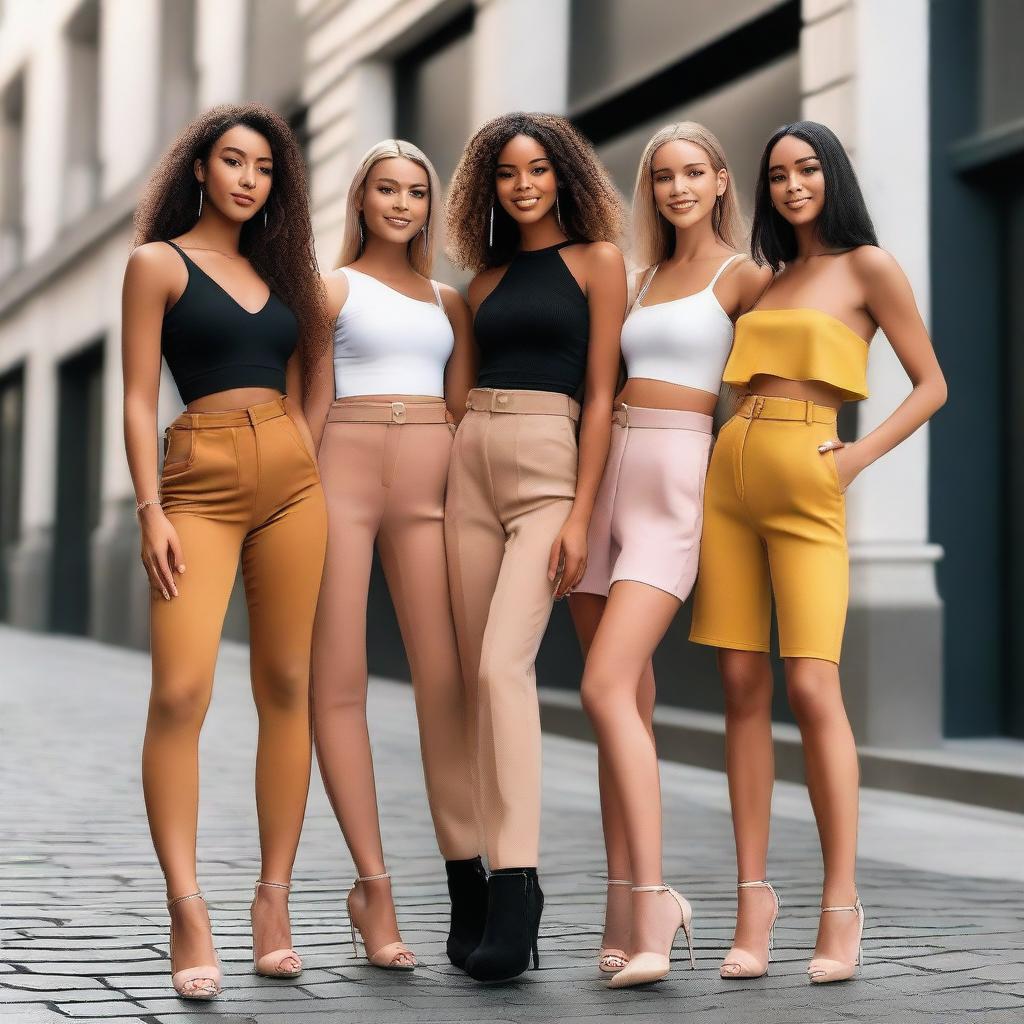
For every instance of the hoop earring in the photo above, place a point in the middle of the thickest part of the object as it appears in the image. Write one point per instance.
(490, 232)
(200, 200)
(558, 214)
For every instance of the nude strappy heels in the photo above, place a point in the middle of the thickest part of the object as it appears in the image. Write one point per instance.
(388, 957)
(281, 963)
(647, 967)
(740, 963)
(202, 982)
(609, 959)
(821, 971)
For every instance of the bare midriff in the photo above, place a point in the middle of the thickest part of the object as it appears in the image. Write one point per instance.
(414, 399)
(801, 390)
(233, 398)
(645, 393)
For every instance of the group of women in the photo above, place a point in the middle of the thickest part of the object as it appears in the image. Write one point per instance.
(550, 438)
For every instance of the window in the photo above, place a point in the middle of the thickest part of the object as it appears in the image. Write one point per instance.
(12, 414)
(82, 36)
(12, 111)
(178, 73)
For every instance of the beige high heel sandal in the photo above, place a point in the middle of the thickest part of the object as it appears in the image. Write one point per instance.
(647, 967)
(387, 957)
(276, 963)
(611, 960)
(821, 971)
(202, 982)
(746, 964)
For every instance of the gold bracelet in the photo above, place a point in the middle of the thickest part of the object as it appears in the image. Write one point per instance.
(142, 504)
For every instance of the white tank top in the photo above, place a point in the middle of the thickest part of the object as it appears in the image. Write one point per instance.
(683, 341)
(386, 343)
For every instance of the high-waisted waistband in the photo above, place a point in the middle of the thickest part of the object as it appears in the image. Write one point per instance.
(231, 417)
(348, 411)
(767, 407)
(666, 419)
(538, 403)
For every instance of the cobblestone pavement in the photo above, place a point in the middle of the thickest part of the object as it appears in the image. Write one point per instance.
(85, 933)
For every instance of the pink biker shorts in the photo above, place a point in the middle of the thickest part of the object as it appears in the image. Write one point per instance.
(649, 510)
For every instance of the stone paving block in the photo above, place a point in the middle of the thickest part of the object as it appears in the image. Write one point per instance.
(85, 930)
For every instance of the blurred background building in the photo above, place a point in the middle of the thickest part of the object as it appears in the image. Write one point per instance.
(928, 96)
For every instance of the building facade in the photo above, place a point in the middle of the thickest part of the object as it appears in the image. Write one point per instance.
(91, 90)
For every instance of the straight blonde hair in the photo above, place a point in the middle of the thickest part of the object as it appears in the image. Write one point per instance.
(654, 238)
(423, 245)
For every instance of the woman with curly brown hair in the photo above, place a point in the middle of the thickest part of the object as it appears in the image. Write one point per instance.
(533, 212)
(223, 285)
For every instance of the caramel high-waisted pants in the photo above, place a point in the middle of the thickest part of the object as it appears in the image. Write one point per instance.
(385, 467)
(510, 489)
(235, 483)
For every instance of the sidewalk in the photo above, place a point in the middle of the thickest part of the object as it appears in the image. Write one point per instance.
(84, 932)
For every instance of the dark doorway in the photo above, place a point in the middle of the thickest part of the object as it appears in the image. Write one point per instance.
(12, 415)
(1012, 401)
(79, 442)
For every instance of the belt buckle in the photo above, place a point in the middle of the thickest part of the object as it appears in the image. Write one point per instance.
(500, 399)
(625, 414)
(398, 412)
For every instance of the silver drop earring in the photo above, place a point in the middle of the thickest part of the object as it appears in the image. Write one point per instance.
(558, 213)
(424, 230)
(264, 216)
(362, 237)
(200, 200)
(490, 232)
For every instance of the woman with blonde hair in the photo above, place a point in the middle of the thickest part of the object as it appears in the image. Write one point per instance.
(645, 531)
(382, 422)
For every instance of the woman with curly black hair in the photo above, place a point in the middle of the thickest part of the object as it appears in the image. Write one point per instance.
(533, 212)
(223, 284)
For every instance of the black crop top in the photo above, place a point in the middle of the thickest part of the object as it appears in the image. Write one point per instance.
(212, 344)
(533, 328)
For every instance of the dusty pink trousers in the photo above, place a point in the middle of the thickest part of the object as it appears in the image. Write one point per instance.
(384, 468)
(510, 489)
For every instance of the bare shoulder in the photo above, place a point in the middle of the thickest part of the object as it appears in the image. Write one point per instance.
(605, 256)
(873, 265)
(153, 256)
(451, 299)
(155, 269)
(484, 283)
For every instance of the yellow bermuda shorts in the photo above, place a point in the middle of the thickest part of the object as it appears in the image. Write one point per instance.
(774, 523)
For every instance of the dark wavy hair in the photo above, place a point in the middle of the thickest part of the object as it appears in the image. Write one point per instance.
(281, 252)
(590, 206)
(844, 222)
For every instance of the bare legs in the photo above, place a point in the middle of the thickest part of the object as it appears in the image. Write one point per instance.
(635, 619)
(586, 610)
(830, 760)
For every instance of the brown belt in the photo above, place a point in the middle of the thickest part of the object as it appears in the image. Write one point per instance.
(388, 412)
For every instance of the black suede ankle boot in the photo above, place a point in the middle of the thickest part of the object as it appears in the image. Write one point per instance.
(467, 887)
(514, 906)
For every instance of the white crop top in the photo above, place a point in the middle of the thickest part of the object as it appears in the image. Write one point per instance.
(683, 341)
(386, 343)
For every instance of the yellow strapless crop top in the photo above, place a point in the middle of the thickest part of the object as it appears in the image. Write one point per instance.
(799, 344)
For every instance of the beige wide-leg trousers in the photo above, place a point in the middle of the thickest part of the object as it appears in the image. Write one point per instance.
(510, 488)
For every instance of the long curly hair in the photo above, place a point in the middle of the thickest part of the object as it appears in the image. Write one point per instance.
(282, 252)
(591, 207)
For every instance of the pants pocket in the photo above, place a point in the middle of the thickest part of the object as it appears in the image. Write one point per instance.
(179, 451)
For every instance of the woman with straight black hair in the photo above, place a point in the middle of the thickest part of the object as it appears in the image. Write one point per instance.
(775, 516)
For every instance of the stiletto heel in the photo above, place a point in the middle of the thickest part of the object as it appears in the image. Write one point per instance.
(821, 971)
(276, 963)
(388, 957)
(611, 960)
(646, 967)
(514, 907)
(202, 982)
(745, 963)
